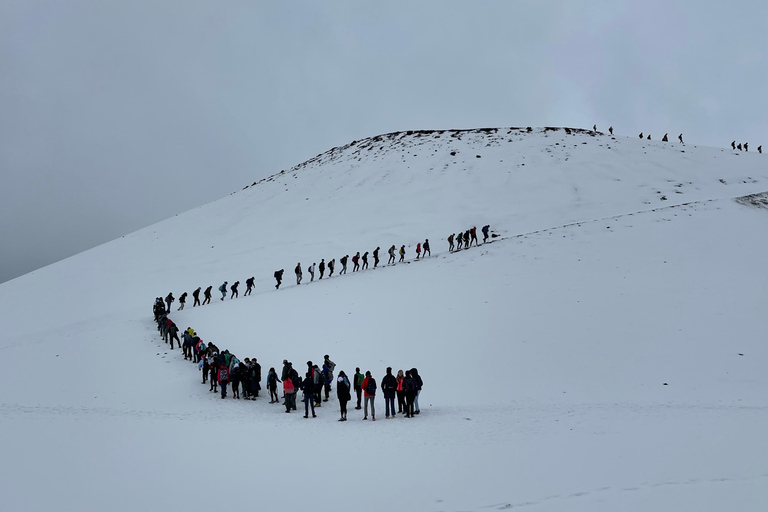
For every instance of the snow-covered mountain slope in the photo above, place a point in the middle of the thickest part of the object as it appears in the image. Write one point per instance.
(606, 352)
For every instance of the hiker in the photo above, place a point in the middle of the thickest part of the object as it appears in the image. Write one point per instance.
(459, 240)
(376, 257)
(319, 383)
(409, 387)
(358, 383)
(297, 271)
(425, 247)
(256, 378)
(223, 379)
(466, 239)
(594, 127)
(322, 267)
(355, 261)
(173, 334)
(649, 136)
(760, 149)
(223, 290)
(641, 135)
(272, 381)
(235, 377)
(288, 392)
(450, 242)
(248, 286)
(343, 394)
(739, 147)
(389, 388)
(365, 260)
(279, 278)
(182, 300)
(400, 391)
(234, 291)
(402, 253)
(168, 300)
(214, 366)
(343, 261)
(308, 387)
(196, 295)
(206, 368)
(331, 264)
(746, 148)
(328, 367)
(486, 228)
(207, 293)
(680, 138)
(664, 138)
(311, 272)
(418, 250)
(369, 393)
(419, 383)
(391, 253)
(610, 130)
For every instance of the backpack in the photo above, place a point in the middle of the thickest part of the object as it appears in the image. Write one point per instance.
(223, 374)
(371, 387)
(288, 386)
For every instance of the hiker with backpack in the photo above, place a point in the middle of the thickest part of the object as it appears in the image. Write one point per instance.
(279, 278)
(459, 240)
(214, 366)
(486, 228)
(376, 257)
(235, 376)
(182, 300)
(196, 295)
(425, 248)
(223, 290)
(169, 299)
(223, 377)
(343, 394)
(297, 271)
(355, 261)
(248, 286)
(369, 393)
(321, 267)
(308, 386)
(207, 294)
(389, 387)
(343, 261)
(319, 382)
(289, 392)
(402, 253)
(233, 289)
(173, 334)
(365, 260)
(358, 383)
(311, 272)
(331, 264)
(418, 250)
(391, 253)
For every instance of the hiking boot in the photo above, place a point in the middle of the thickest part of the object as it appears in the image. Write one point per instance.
(306, 416)
(314, 416)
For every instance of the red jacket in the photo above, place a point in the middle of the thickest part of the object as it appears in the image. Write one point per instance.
(365, 387)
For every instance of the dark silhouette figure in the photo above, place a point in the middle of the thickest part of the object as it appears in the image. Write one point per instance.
(425, 247)
(760, 149)
(207, 294)
(594, 127)
(680, 138)
(665, 138)
(746, 146)
(233, 290)
(279, 278)
(610, 130)
(641, 135)
(649, 136)
(376, 257)
(322, 267)
(733, 145)
(249, 286)
(196, 295)
(365, 260)
(739, 147)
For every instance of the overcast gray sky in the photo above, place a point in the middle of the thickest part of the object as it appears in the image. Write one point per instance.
(118, 114)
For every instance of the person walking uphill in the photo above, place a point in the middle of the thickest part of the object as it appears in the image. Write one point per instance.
(391, 253)
(207, 293)
(376, 257)
(297, 271)
(486, 228)
(169, 299)
(196, 296)
(331, 264)
(182, 300)
(356, 262)
(311, 272)
(369, 391)
(389, 388)
(233, 289)
(248, 286)
(343, 394)
(343, 261)
(321, 267)
(279, 278)
(223, 290)
(402, 253)
(365, 260)
(425, 247)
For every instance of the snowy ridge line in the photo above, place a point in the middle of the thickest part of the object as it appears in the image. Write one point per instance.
(338, 152)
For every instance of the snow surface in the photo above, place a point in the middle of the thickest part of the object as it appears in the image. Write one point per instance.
(606, 352)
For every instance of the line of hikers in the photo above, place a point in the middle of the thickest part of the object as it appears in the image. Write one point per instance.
(466, 238)
(359, 262)
(223, 368)
(745, 146)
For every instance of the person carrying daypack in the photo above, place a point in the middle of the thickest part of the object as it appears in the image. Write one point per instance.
(450, 242)
(279, 278)
(223, 378)
(233, 289)
(288, 391)
(369, 391)
(365, 260)
(196, 295)
(425, 248)
(376, 257)
(311, 272)
(402, 253)
(248, 286)
(169, 299)
(331, 264)
(486, 228)
(298, 273)
(343, 394)
(182, 300)
(391, 253)
(207, 294)
(418, 250)
(343, 261)
(223, 290)
(321, 267)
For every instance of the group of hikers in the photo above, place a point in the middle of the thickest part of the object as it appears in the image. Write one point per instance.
(223, 369)
(665, 138)
(458, 240)
(359, 262)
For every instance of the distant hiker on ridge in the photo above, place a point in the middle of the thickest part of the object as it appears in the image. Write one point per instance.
(279, 278)
(376, 257)
(322, 267)
(331, 264)
(196, 295)
(425, 247)
(641, 135)
(450, 242)
(365, 260)
(249, 286)
(486, 228)
(223, 290)
(207, 293)
(610, 130)
(664, 138)
(311, 272)
(234, 291)
(182, 300)
(402, 253)
(355, 262)
(297, 271)
(343, 261)
(733, 145)
(680, 138)
(391, 253)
